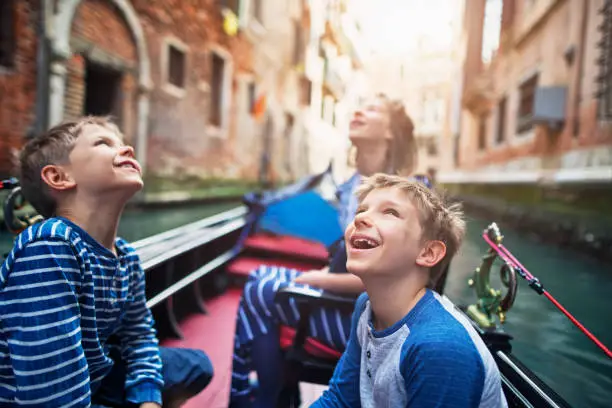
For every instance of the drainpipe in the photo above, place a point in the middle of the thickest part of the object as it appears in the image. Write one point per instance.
(41, 121)
(580, 68)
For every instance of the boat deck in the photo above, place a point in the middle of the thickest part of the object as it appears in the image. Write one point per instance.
(218, 346)
(214, 332)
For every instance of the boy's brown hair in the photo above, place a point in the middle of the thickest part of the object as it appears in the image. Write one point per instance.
(440, 220)
(52, 147)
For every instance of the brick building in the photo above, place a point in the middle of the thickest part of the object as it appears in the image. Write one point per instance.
(18, 76)
(535, 94)
(171, 72)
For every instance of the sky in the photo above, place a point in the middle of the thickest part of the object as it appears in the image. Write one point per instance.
(391, 27)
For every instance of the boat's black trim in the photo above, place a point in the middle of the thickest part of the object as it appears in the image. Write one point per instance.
(192, 277)
(177, 260)
(525, 384)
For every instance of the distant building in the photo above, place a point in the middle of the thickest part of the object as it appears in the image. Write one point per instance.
(534, 94)
(182, 79)
(336, 83)
(422, 79)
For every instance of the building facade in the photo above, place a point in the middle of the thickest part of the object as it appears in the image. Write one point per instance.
(534, 90)
(337, 83)
(182, 79)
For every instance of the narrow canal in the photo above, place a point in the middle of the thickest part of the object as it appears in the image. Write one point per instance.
(543, 338)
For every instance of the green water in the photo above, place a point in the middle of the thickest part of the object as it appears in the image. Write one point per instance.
(138, 224)
(544, 339)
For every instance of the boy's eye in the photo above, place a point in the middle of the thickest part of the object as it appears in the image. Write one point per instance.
(101, 142)
(392, 212)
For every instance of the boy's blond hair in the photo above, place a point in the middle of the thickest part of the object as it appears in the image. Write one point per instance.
(51, 148)
(440, 221)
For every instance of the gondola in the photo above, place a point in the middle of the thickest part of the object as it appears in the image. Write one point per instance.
(195, 273)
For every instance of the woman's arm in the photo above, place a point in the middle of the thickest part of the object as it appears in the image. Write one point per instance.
(334, 282)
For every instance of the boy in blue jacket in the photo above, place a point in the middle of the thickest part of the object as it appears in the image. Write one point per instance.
(408, 346)
(69, 284)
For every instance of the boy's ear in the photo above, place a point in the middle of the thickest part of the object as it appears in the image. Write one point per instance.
(57, 178)
(432, 253)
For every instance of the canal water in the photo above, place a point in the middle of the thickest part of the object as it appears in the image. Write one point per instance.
(543, 338)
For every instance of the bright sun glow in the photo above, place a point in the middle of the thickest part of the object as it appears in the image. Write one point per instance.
(393, 27)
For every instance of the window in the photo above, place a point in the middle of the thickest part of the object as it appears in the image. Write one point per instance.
(298, 49)
(305, 91)
(217, 81)
(7, 33)
(456, 147)
(256, 10)
(328, 109)
(233, 5)
(432, 148)
(501, 121)
(482, 132)
(103, 94)
(289, 123)
(526, 99)
(251, 97)
(176, 66)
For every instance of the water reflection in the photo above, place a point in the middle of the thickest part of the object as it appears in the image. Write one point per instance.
(138, 224)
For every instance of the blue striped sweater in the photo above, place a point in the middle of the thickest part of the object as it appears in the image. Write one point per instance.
(62, 294)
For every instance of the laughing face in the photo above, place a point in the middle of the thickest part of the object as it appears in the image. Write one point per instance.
(385, 236)
(100, 162)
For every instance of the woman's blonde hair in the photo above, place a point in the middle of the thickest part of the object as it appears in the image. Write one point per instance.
(402, 150)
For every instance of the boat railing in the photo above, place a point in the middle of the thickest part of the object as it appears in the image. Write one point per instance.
(175, 262)
(208, 222)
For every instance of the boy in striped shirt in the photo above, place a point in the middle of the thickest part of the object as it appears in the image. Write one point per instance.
(408, 346)
(69, 284)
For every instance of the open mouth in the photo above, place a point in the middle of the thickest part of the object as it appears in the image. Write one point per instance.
(362, 242)
(129, 165)
(356, 123)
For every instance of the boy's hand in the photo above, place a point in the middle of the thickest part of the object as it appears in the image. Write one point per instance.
(150, 405)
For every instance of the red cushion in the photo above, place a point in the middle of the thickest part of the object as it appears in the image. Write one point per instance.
(290, 246)
(313, 347)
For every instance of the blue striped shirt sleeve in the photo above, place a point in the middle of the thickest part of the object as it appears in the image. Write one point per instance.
(40, 319)
(139, 347)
